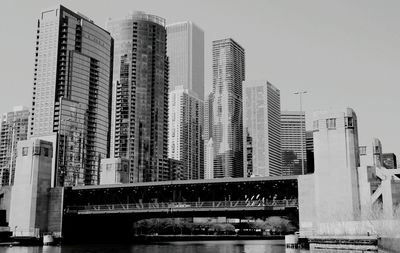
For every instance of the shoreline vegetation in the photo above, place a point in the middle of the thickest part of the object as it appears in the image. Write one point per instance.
(187, 227)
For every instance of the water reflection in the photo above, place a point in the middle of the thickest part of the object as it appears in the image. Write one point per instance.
(329, 251)
(256, 246)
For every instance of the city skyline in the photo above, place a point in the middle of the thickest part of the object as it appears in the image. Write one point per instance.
(350, 51)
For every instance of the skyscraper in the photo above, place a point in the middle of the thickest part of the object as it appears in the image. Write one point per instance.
(186, 113)
(141, 95)
(71, 93)
(310, 151)
(207, 136)
(261, 129)
(185, 142)
(186, 57)
(293, 142)
(228, 75)
(13, 128)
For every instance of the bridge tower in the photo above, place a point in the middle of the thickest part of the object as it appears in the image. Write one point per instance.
(331, 195)
(30, 193)
(336, 161)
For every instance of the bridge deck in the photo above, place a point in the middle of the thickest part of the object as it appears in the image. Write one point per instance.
(181, 207)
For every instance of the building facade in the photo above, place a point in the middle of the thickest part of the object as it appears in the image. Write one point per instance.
(114, 171)
(185, 140)
(261, 129)
(141, 95)
(71, 93)
(293, 142)
(208, 143)
(186, 106)
(228, 75)
(13, 128)
(310, 151)
(186, 58)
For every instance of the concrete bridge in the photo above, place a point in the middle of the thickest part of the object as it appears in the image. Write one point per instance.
(183, 208)
(93, 210)
(342, 189)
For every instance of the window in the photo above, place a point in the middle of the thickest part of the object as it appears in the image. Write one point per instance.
(349, 122)
(363, 150)
(331, 123)
(45, 152)
(315, 125)
(377, 150)
(25, 151)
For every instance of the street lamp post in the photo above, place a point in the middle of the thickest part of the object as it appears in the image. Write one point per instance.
(300, 93)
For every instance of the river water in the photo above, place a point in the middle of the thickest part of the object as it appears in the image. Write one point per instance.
(248, 246)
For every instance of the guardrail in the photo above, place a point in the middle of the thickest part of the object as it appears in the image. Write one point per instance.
(182, 206)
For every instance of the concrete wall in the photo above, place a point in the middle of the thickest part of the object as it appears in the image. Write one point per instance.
(114, 171)
(373, 227)
(55, 210)
(5, 200)
(391, 244)
(307, 213)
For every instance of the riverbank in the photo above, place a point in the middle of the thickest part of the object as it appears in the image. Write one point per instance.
(165, 238)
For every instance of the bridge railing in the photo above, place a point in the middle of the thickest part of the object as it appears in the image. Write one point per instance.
(170, 206)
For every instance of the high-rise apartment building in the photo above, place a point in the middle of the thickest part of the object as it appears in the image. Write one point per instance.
(186, 106)
(310, 152)
(228, 75)
(185, 140)
(71, 93)
(186, 57)
(141, 95)
(13, 128)
(261, 129)
(293, 142)
(208, 143)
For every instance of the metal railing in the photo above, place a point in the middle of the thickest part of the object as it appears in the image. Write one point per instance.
(185, 206)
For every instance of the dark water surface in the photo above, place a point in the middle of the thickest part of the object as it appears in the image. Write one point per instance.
(253, 246)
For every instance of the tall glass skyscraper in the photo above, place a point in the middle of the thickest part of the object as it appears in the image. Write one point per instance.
(186, 113)
(13, 128)
(262, 129)
(207, 137)
(185, 142)
(71, 93)
(228, 75)
(186, 57)
(293, 138)
(141, 95)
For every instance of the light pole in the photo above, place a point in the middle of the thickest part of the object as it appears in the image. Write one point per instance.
(300, 93)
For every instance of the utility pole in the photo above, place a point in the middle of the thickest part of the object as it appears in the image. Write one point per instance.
(300, 93)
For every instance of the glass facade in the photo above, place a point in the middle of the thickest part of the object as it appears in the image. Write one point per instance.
(141, 95)
(186, 72)
(72, 93)
(13, 128)
(185, 140)
(186, 57)
(228, 75)
(293, 135)
(262, 129)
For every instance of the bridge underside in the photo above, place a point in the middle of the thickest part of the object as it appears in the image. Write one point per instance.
(120, 226)
(94, 213)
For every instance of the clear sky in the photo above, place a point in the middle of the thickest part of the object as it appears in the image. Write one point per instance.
(343, 52)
